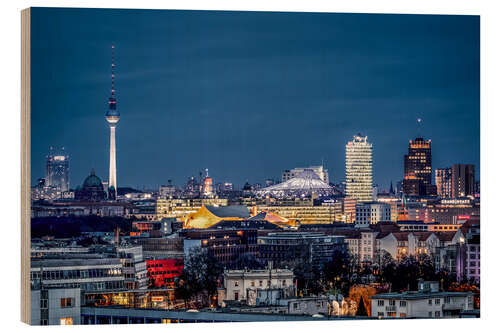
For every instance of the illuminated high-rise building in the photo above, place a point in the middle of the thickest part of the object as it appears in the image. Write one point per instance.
(358, 169)
(443, 180)
(418, 168)
(57, 170)
(112, 117)
(208, 188)
(463, 180)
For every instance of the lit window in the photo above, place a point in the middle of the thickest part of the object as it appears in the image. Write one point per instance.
(66, 321)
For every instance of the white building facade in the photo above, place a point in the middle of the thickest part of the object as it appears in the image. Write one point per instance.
(358, 168)
(372, 213)
(427, 302)
(240, 285)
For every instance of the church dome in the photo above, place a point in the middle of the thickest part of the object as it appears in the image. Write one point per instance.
(92, 181)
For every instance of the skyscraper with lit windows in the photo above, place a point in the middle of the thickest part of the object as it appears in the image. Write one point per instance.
(418, 168)
(463, 181)
(57, 170)
(443, 182)
(358, 169)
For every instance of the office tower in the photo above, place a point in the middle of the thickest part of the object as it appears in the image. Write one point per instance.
(443, 182)
(418, 168)
(463, 180)
(208, 189)
(112, 117)
(358, 169)
(57, 170)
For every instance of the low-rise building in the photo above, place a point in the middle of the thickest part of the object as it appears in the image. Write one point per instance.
(242, 285)
(280, 247)
(427, 302)
(58, 306)
(372, 213)
(134, 267)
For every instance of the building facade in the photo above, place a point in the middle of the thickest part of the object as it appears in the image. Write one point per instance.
(315, 247)
(427, 302)
(57, 170)
(443, 182)
(59, 306)
(418, 168)
(463, 180)
(372, 213)
(358, 168)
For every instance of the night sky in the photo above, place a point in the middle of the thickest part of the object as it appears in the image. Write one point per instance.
(248, 94)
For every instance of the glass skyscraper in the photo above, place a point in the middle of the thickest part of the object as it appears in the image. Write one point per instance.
(57, 170)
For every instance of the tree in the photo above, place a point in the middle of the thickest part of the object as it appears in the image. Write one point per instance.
(337, 271)
(361, 312)
(200, 276)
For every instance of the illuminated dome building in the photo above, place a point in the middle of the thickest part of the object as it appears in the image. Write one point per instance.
(91, 190)
(305, 184)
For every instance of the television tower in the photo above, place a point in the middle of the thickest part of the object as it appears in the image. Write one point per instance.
(112, 117)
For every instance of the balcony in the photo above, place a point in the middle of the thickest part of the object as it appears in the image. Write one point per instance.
(391, 308)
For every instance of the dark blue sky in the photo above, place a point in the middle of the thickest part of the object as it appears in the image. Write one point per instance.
(248, 94)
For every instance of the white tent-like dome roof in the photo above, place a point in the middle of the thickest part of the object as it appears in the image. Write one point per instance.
(304, 184)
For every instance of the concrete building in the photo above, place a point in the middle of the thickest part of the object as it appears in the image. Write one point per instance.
(317, 247)
(305, 211)
(89, 272)
(181, 208)
(427, 302)
(443, 181)
(463, 180)
(59, 306)
(401, 244)
(242, 285)
(418, 168)
(446, 211)
(134, 267)
(358, 168)
(57, 170)
(372, 213)
(349, 210)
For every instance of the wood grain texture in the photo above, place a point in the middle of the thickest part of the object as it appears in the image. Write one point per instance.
(25, 164)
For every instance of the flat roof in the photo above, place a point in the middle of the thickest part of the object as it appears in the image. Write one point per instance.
(419, 295)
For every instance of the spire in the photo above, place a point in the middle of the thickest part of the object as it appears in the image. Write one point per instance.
(112, 99)
(391, 190)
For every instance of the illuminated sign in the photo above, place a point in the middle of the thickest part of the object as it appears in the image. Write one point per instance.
(157, 298)
(463, 217)
(455, 201)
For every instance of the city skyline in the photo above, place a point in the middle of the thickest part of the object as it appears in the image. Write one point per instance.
(186, 107)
